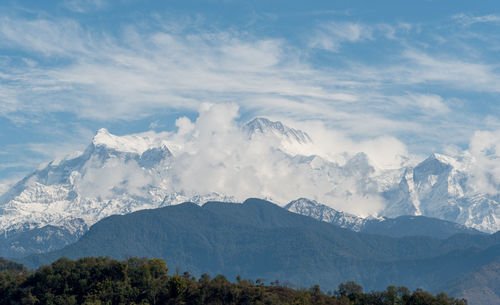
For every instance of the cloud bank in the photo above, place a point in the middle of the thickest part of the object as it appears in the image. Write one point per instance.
(215, 153)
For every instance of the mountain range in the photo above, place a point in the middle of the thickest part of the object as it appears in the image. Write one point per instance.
(395, 227)
(257, 239)
(57, 203)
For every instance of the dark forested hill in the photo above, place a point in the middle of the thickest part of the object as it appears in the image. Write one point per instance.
(416, 226)
(481, 285)
(258, 239)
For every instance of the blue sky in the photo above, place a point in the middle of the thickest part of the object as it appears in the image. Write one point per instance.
(424, 72)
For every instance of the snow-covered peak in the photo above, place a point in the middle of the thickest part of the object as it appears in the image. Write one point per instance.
(312, 208)
(177, 198)
(438, 162)
(300, 203)
(442, 158)
(440, 187)
(135, 143)
(266, 126)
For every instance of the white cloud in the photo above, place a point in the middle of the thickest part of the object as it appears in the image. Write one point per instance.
(114, 176)
(134, 75)
(484, 148)
(331, 35)
(108, 80)
(460, 74)
(41, 35)
(212, 154)
(157, 70)
(83, 6)
(468, 20)
(429, 104)
(384, 152)
(6, 184)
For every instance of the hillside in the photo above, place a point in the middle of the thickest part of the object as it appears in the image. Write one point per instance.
(258, 239)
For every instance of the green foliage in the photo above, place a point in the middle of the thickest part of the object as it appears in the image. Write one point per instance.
(99, 281)
(6, 265)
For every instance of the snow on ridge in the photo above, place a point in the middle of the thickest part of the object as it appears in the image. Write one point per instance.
(134, 143)
(312, 208)
(263, 125)
(444, 159)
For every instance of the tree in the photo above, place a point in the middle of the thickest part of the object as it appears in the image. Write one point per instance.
(390, 296)
(350, 290)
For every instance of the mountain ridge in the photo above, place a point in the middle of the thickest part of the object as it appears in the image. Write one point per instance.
(262, 240)
(405, 225)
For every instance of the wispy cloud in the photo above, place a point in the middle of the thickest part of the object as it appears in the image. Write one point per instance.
(50, 38)
(427, 104)
(461, 74)
(468, 20)
(83, 6)
(143, 72)
(331, 35)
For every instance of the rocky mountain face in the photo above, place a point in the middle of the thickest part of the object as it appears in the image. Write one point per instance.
(263, 126)
(123, 174)
(312, 208)
(438, 187)
(395, 227)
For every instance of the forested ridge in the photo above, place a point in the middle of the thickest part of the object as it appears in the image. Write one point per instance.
(258, 239)
(103, 280)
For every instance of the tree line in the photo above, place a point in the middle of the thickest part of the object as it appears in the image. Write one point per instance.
(103, 280)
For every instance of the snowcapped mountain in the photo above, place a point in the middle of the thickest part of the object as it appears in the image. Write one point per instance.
(439, 187)
(70, 195)
(263, 126)
(325, 213)
(396, 227)
(114, 175)
(205, 162)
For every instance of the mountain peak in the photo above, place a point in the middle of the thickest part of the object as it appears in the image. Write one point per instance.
(261, 125)
(135, 143)
(102, 131)
(435, 164)
(312, 208)
(302, 202)
(442, 158)
(101, 136)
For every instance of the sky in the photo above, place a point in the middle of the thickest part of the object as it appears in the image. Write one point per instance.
(414, 76)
